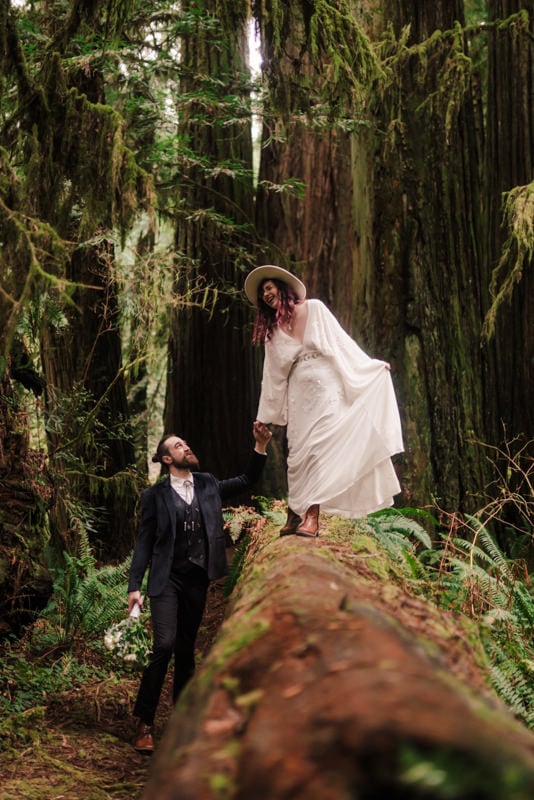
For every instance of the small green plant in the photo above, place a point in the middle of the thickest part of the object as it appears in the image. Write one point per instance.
(237, 521)
(236, 565)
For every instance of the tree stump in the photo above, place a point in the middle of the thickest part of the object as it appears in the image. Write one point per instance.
(330, 680)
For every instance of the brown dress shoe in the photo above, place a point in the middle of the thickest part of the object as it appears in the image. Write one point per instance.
(310, 524)
(144, 740)
(292, 522)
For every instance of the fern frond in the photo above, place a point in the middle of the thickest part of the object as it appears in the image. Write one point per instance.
(490, 546)
(472, 551)
(391, 520)
(389, 523)
(524, 605)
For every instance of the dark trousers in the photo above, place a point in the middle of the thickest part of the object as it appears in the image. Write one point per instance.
(176, 616)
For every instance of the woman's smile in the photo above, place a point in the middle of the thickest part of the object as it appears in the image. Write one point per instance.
(270, 294)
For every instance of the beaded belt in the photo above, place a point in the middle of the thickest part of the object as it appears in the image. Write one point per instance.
(307, 356)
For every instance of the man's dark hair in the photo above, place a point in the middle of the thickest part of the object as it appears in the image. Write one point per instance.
(162, 449)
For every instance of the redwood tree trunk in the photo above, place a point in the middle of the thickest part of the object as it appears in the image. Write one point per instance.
(211, 369)
(308, 228)
(510, 163)
(421, 286)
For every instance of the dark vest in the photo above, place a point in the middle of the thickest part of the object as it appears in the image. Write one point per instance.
(190, 544)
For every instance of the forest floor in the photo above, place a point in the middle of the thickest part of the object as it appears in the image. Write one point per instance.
(82, 749)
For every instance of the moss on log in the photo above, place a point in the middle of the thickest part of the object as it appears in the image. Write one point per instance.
(331, 680)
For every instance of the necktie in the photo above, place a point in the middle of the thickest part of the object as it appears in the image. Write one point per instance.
(188, 490)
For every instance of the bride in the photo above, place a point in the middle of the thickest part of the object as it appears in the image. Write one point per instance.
(339, 405)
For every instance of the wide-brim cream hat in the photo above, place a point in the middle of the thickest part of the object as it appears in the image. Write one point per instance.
(269, 271)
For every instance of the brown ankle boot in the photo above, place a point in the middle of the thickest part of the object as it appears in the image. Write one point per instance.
(310, 524)
(144, 740)
(292, 522)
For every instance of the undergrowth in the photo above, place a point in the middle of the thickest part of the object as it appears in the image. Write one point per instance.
(63, 648)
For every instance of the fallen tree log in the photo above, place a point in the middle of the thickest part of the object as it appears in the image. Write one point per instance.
(330, 680)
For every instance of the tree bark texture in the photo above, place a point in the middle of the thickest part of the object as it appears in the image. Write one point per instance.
(510, 163)
(211, 370)
(420, 285)
(330, 681)
(309, 231)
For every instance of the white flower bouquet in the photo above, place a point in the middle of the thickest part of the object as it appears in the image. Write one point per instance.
(130, 641)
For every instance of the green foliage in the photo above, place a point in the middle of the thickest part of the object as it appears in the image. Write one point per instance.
(447, 773)
(27, 683)
(55, 137)
(85, 601)
(402, 537)
(513, 677)
(476, 12)
(475, 577)
(238, 524)
(85, 598)
(339, 61)
(26, 686)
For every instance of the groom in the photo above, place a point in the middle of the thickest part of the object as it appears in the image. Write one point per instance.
(181, 536)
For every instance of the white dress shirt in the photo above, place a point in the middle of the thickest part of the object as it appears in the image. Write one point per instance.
(184, 487)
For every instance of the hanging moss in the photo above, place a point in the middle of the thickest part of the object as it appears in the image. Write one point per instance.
(332, 60)
(517, 252)
(31, 250)
(93, 145)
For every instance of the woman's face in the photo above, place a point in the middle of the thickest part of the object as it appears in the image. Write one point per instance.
(269, 294)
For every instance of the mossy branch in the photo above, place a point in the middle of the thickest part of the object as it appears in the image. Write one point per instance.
(40, 252)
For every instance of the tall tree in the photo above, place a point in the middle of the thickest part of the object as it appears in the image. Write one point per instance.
(211, 371)
(422, 287)
(306, 194)
(59, 127)
(509, 181)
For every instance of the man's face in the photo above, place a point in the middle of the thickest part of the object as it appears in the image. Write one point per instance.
(181, 454)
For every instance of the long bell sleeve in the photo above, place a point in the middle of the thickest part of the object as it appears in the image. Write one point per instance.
(280, 353)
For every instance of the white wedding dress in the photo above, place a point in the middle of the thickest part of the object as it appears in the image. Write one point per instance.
(342, 418)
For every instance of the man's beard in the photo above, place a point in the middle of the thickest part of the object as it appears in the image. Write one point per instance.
(188, 462)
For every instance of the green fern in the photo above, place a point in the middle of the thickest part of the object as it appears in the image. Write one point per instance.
(476, 577)
(512, 677)
(399, 536)
(85, 599)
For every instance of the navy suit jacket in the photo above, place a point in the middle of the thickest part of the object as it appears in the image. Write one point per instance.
(157, 529)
